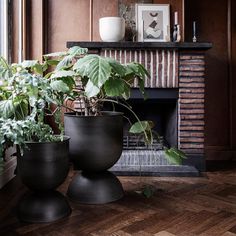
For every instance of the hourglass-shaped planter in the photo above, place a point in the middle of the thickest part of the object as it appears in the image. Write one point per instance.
(42, 168)
(95, 146)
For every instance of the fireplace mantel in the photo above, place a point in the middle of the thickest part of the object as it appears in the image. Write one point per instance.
(141, 45)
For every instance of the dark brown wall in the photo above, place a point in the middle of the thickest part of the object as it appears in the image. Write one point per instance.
(220, 103)
(53, 22)
(66, 20)
(73, 23)
(233, 73)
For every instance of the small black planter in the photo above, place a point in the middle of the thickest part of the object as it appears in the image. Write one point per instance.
(95, 146)
(42, 168)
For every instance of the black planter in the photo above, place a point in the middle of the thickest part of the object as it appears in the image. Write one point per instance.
(42, 168)
(95, 146)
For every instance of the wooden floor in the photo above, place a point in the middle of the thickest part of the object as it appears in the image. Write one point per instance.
(180, 206)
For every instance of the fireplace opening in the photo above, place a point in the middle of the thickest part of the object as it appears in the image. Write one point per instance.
(164, 115)
(137, 158)
(161, 108)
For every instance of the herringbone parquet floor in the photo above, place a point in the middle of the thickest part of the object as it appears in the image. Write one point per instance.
(204, 206)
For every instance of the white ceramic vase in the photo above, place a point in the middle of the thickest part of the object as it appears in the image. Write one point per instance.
(112, 29)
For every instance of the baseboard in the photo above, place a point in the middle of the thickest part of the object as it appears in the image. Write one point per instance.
(196, 160)
(220, 165)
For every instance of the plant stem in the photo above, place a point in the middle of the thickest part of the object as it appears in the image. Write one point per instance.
(127, 107)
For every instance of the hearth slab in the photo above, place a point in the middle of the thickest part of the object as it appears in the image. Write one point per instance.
(162, 171)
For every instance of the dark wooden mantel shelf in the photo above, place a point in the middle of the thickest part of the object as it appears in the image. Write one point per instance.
(141, 45)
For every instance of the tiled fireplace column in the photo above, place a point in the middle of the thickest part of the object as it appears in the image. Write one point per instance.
(171, 66)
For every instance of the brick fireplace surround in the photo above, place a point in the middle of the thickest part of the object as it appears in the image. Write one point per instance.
(179, 66)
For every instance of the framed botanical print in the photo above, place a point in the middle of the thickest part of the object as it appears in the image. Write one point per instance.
(153, 22)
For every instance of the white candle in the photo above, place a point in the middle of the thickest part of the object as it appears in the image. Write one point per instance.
(176, 18)
(194, 28)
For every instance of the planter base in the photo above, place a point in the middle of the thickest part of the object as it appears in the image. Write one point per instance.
(42, 207)
(95, 188)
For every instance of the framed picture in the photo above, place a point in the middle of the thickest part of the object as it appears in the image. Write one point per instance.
(153, 22)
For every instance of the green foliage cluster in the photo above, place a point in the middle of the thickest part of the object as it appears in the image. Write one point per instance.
(28, 89)
(25, 100)
(103, 79)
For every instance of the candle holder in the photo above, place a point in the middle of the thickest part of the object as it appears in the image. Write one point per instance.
(176, 33)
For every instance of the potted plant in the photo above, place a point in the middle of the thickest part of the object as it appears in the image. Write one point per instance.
(42, 157)
(96, 135)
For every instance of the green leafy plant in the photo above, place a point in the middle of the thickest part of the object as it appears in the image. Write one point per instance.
(26, 96)
(103, 79)
(27, 91)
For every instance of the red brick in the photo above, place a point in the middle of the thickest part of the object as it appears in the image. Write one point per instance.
(191, 95)
(191, 111)
(193, 151)
(192, 117)
(192, 101)
(191, 140)
(191, 146)
(191, 85)
(191, 106)
(198, 57)
(192, 68)
(191, 134)
(185, 57)
(191, 80)
(192, 62)
(191, 74)
(191, 90)
(192, 123)
(191, 128)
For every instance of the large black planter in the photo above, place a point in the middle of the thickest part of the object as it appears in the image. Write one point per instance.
(95, 146)
(42, 168)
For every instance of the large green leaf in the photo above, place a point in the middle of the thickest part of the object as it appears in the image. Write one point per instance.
(62, 74)
(96, 68)
(29, 63)
(141, 126)
(17, 107)
(39, 68)
(5, 69)
(77, 51)
(141, 86)
(145, 128)
(55, 54)
(114, 87)
(21, 108)
(137, 69)
(91, 90)
(175, 156)
(53, 62)
(60, 86)
(6, 108)
(127, 92)
(117, 68)
(66, 62)
(69, 81)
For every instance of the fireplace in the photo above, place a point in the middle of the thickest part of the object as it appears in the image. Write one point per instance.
(176, 91)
